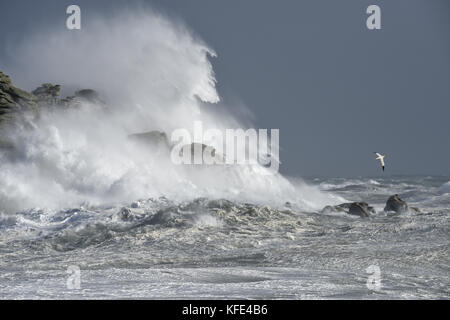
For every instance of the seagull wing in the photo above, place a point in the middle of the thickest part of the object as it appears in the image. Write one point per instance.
(381, 158)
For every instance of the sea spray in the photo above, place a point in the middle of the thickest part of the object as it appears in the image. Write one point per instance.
(153, 74)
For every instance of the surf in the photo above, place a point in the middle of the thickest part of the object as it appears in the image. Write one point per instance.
(153, 74)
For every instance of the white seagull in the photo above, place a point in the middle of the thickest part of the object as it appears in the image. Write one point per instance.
(381, 158)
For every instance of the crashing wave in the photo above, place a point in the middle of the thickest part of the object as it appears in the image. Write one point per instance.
(152, 75)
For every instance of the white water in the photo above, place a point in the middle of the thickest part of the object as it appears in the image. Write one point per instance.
(154, 74)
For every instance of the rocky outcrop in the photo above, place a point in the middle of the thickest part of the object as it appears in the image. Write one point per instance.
(194, 147)
(152, 139)
(48, 94)
(19, 107)
(415, 210)
(159, 142)
(13, 101)
(204, 151)
(124, 214)
(395, 204)
(344, 207)
(361, 209)
(14, 104)
(88, 95)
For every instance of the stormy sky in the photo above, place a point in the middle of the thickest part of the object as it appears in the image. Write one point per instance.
(311, 68)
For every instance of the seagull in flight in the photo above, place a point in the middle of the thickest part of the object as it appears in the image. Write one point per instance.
(381, 158)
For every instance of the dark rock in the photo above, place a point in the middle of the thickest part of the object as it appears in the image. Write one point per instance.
(13, 99)
(205, 150)
(14, 104)
(220, 204)
(395, 204)
(89, 95)
(136, 204)
(333, 209)
(169, 217)
(193, 147)
(124, 214)
(48, 94)
(361, 209)
(17, 105)
(153, 139)
(344, 206)
(67, 102)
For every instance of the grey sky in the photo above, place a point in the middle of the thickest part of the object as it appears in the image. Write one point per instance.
(336, 90)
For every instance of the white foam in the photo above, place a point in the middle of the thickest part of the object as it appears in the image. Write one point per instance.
(153, 72)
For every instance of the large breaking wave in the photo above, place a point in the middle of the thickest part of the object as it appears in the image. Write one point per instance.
(154, 74)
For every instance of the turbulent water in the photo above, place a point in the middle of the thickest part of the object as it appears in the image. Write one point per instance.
(77, 194)
(214, 248)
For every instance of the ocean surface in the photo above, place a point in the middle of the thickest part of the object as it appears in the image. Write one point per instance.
(157, 248)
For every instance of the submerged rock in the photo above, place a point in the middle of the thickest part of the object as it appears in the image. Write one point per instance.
(395, 204)
(124, 214)
(136, 204)
(415, 209)
(339, 208)
(361, 209)
(169, 217)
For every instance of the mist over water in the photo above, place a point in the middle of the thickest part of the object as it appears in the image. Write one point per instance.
(154, 74)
